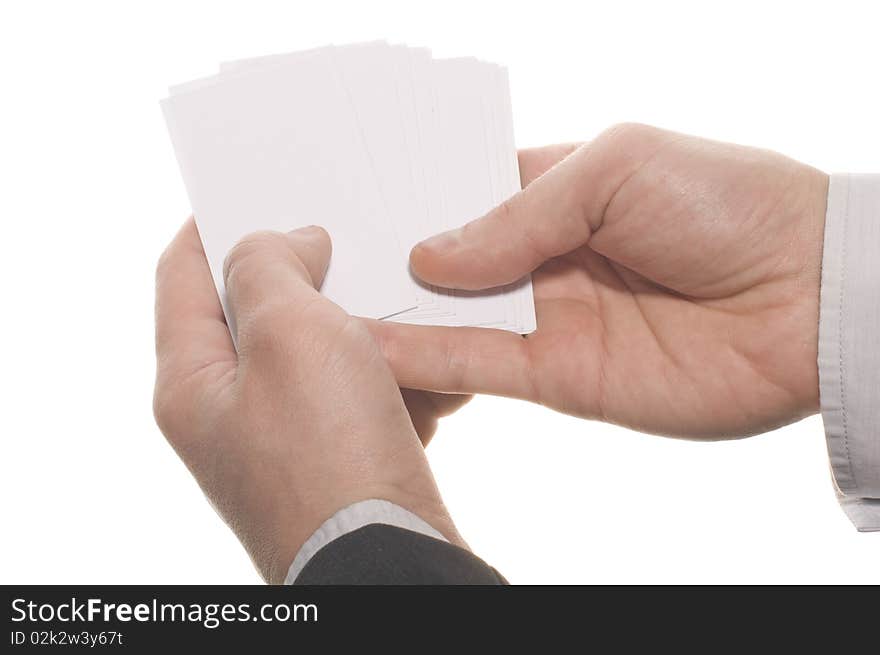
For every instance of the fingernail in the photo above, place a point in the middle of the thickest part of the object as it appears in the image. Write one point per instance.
(442, 242)
(307, 231)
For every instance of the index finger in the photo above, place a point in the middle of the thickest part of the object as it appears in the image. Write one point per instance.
(191, 333)
(456, 359)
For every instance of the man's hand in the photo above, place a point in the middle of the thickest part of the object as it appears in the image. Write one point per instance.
(305, 419)
(676, 285)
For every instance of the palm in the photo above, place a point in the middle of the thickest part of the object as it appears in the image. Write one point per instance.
(615, 346)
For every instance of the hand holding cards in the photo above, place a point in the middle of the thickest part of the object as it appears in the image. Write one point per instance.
(381, 145)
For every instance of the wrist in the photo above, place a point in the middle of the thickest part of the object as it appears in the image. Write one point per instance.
(811, 236)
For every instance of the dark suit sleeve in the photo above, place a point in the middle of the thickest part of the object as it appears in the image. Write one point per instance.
(383, 554)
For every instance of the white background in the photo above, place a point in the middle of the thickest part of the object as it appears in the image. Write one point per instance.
(90, 194)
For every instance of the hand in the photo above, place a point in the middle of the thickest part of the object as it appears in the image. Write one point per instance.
(676, 286)
(307, 417)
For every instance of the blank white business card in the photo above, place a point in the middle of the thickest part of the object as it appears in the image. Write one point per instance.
(381, 144)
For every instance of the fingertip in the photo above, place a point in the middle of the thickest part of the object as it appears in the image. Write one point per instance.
(442, 244)
(419, 256)
(429, 259)
(312, 244)
(314, 234)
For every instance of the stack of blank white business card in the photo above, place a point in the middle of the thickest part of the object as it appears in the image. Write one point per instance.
(382, 145)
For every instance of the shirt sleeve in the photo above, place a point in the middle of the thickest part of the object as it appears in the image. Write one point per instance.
(352, 518)
(849, 344)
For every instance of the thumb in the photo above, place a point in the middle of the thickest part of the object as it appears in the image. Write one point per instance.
(312, 247)
(268, 268)
(553, 215)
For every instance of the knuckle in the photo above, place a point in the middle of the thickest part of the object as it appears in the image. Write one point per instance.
(340, 344)
(457, 364)
(510, 216)
(503, 215)
(506, 211)
(387, 345)
(244, 254)
(356, 334)
(622, 134)
(278, 327)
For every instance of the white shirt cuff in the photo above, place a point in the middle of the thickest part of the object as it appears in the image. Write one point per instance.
(355, 517)
(849, 344)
